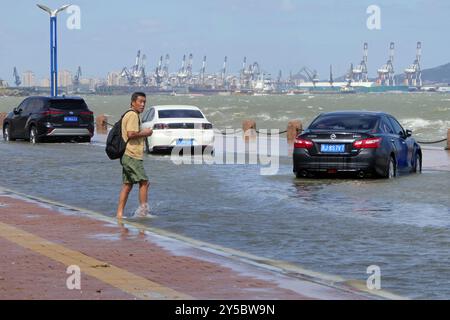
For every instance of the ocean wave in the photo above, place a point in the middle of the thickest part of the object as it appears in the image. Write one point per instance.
(264, 116)
(424, 123)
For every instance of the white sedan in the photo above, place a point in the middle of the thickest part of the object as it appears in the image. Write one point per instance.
(177, 125)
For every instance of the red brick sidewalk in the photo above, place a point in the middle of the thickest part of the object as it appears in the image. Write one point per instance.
(38, 242)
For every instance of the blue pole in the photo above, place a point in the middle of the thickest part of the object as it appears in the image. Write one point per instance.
(52, 83)
(53, 57)
(56, 59)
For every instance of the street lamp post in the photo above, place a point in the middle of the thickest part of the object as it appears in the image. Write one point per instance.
(53, 47)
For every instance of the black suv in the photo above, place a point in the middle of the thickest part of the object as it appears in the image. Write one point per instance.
(50, 118)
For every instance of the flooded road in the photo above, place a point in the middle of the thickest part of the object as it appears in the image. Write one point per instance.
(334, 226)
(427, 114)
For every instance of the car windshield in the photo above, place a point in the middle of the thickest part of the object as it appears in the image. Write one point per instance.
(180, 113)
(351, 122)
(68, 104)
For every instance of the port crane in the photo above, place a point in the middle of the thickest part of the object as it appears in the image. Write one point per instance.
(386, 74)
(331, 80)
(159, 73)
(16, 76)
(166, 66)
(142, 71)
(136, 74)
(360, 72)
(249, 74)
(279, 77)
(310, 74)
(224, 71)
(413, 73)
(185, 72)
(350, 76)
(202, 72)
(77, 77)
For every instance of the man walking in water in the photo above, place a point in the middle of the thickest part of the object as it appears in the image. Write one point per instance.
(132, 161)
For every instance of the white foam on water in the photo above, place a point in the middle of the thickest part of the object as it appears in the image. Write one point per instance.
(419, 123)
(282, 118)
(264, 116)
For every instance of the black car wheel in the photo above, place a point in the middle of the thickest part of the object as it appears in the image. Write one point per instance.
(418, 163)
(6, 133)
(33, 135)
(392, 169)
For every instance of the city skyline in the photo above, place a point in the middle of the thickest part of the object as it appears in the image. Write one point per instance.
(280, 35)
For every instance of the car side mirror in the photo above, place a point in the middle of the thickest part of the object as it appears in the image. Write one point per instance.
(16, 111)
(408, 133)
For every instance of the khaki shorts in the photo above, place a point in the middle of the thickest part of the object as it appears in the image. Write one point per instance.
(133, 170)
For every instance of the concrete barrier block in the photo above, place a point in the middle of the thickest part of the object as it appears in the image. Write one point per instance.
(294, 127)
(2, 117)
(249, 129)
(101, 123)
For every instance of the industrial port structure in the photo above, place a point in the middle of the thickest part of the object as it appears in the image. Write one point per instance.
(251, 78)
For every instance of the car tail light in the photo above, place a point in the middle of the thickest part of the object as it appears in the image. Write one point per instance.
(87, 113)
(207, 126)
(370, 143)
(302, 143)
(160, 126)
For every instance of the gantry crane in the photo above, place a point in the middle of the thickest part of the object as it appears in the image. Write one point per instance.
(413, 73)
(360, 72)
(386, 73)
(16, 76)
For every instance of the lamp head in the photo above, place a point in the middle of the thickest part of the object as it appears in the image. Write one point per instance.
(51, 12)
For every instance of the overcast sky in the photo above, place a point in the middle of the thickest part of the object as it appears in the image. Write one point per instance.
(279, 34)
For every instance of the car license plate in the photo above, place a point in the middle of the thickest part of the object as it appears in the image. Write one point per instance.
(185, 142)
(332, 148)
(70, 119)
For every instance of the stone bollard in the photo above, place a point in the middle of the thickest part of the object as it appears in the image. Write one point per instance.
(448, 139)
(2, 117)
(101, 124)
(249, 129)
(294, 127)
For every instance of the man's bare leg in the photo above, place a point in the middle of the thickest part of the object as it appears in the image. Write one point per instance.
(126, 189)
(143, 192)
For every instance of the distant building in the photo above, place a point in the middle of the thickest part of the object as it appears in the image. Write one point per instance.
(45, 83)
(3, 84)
(64, 78)
(113, 79)
(28, 79)
(90, 83)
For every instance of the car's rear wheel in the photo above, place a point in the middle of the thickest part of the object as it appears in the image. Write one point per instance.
(34, 135)
(418, 163)
(392, 169)
(303, 174)
(6, 134)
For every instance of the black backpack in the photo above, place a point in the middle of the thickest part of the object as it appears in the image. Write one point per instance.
(115, 145)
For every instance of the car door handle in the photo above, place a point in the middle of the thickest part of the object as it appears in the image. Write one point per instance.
(392, 140)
